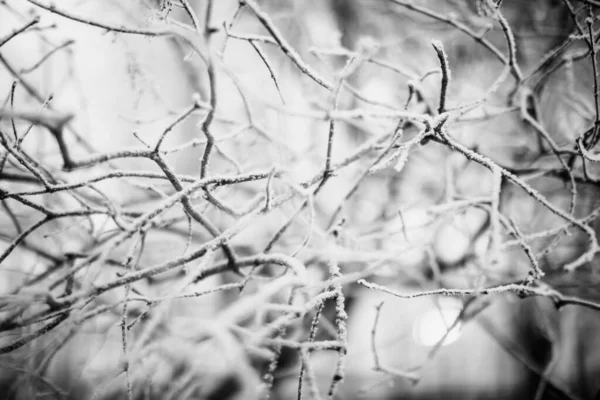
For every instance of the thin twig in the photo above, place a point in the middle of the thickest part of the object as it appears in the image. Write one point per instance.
(266, 21)
(18, 31)
(443, 58)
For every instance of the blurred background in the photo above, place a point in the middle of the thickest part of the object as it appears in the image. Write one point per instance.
(403, 211)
